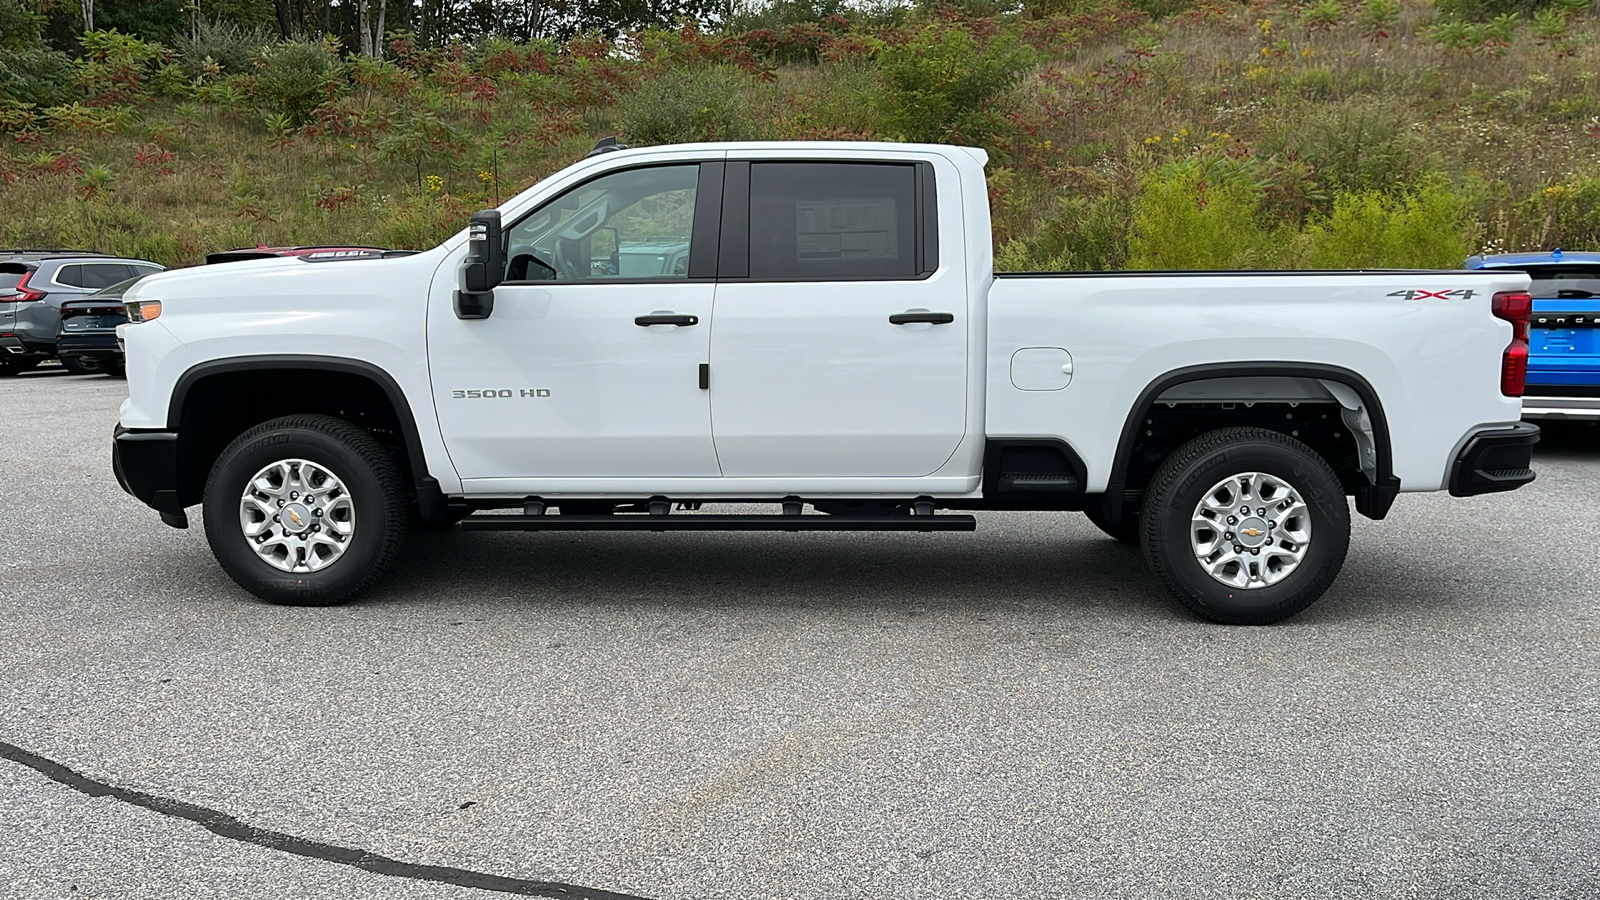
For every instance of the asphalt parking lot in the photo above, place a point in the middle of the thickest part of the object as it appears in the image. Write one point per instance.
(1019, 713)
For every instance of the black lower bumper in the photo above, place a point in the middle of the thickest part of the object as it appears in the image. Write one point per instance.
(146, 465)
(17, 345)
(1495, 459)
(93, 346)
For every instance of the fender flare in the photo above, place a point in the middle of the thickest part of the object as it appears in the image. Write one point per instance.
(430, 499)
(1373, 498)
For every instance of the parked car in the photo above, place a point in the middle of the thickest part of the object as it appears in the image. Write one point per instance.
(87, 341)
(34, 284)
(860, 357)
(245, 254)
(1564, 341)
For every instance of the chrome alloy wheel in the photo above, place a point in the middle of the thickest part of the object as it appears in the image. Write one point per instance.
(297, 515)
(1250, 530)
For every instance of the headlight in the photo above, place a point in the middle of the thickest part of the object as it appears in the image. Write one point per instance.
(143, 310)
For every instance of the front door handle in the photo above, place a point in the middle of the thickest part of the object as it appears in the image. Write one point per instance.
(913, 318)
(666, 319)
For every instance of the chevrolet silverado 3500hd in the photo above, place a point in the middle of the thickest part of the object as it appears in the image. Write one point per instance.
(806, 324)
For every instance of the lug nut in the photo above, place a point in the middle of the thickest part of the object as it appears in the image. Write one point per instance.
(1255, 551)
(1233, 520)
(316, 512)
(294, 495)
(1228, 536)
(1270, 524)
(1238, 549)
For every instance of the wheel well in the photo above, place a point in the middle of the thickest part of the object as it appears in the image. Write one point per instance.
(1317, 424)
(1332, 410)
(218, 407)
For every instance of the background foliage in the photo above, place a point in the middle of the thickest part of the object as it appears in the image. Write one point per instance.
(1154, 133)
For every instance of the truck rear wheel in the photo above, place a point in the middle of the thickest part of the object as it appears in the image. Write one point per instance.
(305, 510)
(1245, 526)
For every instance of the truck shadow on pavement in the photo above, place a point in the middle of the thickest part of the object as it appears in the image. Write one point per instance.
(1000, 568)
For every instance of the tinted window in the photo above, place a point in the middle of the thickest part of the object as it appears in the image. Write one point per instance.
(10, 277)
(827, 221)
(626, 225)
(1569, 282)
(94, 275)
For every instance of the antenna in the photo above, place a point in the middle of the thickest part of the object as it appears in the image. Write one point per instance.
(605, 145)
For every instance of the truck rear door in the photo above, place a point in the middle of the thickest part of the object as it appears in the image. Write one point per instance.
(839, 346)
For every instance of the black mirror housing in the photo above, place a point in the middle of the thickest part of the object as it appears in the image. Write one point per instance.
(486, 253)
(484, 267)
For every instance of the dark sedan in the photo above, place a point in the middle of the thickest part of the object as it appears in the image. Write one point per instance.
(87, 338)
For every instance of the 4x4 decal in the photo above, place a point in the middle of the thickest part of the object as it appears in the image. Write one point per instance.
(1462, 293)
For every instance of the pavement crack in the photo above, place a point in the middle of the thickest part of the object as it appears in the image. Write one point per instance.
(224, 825)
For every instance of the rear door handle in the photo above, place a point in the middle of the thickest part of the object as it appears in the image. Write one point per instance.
(663, 319)
(912, 318)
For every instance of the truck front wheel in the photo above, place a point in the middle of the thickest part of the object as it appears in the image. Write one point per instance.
(1245, 526)
(305, 510)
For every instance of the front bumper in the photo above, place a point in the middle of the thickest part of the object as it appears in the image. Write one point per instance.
(1494, 459)
(146, 465)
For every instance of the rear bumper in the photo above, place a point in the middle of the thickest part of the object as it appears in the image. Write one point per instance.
(146, 465)
(17, 345)
(1561, 402)
(1494, 459)
(99, 346)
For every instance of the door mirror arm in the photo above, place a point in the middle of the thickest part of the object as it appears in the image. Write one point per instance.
(484, 267)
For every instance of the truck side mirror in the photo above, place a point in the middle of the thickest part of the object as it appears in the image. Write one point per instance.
(484, 267)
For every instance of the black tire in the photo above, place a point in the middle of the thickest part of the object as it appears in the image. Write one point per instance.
(82, 366)
(374, 486)
(1191, 471)
(1127, 531)
(116, 369)
(13, 365)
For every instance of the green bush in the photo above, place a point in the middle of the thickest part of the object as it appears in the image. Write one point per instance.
(36, 75)
(1080, 234)
(943, 86)
(294, 78)
(1429, 227)
(1483, 10)
(1187, 218)
(683, 107)
(1568, 213)
(1356, 145)
(232, 48)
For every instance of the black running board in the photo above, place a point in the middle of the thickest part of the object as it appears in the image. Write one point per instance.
(697, 522)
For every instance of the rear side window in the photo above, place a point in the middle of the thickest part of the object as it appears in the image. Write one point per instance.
(95, 275)
(833, 221)
(1566, 283)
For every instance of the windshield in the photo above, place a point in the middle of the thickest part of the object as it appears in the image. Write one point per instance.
(1565, 282)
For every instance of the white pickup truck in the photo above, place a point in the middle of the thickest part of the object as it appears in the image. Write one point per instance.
(815, 326)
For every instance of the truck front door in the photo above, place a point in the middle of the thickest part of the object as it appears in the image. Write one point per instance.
(840, 344)
(589, 366)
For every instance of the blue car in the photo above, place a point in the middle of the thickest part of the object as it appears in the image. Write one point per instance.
(1564, 346)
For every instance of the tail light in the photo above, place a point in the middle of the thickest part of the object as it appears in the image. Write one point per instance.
(1515, 307)
(24, 293)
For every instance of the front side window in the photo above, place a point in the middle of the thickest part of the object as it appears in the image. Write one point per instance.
(832, 221)
(628, 225)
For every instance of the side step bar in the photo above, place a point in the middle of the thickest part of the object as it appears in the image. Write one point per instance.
(696, 522)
